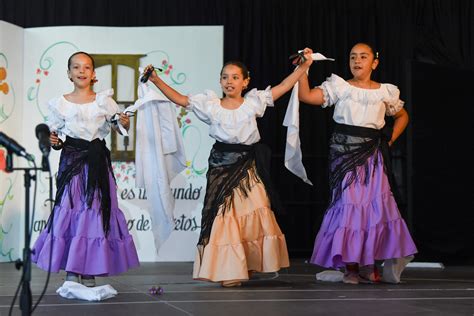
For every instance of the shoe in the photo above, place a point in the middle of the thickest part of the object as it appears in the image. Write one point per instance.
(88, 280)
(231, 283)
(350, 278)
(72, 277)
(369, 274)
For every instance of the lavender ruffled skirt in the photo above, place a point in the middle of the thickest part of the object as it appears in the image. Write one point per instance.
(80, 245)
(364, 225)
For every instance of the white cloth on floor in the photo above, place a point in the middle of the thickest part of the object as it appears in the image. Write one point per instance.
(74, 290)
(159, 157)
(330, 276)
(393, 268)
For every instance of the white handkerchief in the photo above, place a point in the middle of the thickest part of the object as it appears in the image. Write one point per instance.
(318, 56)
(393, 268)
(73, 290)
(330, 276)
(159, 157)
(293, 154)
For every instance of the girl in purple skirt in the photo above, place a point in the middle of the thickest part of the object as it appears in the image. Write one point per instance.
(362, 223)
(89, 235)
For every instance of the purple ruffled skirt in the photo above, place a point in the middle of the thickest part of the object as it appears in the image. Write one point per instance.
(80, 245)
(364, 225)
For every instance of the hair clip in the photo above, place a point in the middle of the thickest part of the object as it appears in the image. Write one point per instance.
(376, 55)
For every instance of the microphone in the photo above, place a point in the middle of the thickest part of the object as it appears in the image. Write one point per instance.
(147, 74)
(12, 146)
(42, 133)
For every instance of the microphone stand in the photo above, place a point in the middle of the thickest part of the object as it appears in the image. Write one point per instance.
(45, 163)
(25, 296)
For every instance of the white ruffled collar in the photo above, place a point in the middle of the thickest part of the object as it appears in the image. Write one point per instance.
(344, 90)
(249, 98)
(100, 97)
(63, 108)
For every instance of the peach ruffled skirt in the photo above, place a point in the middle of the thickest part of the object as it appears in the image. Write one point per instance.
(244, 238)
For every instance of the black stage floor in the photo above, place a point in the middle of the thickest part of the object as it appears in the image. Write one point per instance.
(293, 291)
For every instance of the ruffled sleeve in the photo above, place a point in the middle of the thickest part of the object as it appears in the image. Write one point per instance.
(258, 100)
(392, 101)
(57, 114)
(105, 102)
(202, 104)
(334, 88)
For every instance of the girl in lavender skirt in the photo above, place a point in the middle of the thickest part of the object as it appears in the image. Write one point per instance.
(89, 235)
(362, 223)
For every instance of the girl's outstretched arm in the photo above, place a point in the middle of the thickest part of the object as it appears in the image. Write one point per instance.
(173, 95)
(289, 82)
(313, 96)
(401, 122)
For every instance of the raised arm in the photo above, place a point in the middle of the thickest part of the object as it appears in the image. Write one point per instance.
(173, 95)
(289, 81)
(401, 122)
(313, 96)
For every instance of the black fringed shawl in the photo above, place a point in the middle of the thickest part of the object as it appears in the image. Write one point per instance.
(231, 167)
(75, 156)
(350, 148)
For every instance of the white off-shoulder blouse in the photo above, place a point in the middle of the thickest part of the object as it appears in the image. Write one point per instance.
(236, 126)
(358, 106)
(86, 121)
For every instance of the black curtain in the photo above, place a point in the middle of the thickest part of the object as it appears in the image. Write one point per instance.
(443, 155)
(263, 33)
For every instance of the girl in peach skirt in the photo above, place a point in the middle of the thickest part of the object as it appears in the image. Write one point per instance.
(239, 232)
